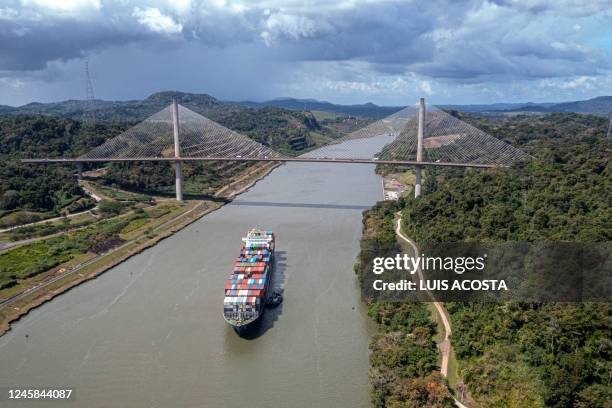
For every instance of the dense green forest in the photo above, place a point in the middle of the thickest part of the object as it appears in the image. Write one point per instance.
(39, 191)
(201, 178)
(535, 355)
(510, 354)
(514, 354)
(43, 188)
(287, 132)
(403, 354)
(274, 127)
(563, 194)
(404, 359)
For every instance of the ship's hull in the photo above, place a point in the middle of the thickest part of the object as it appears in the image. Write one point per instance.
(247, 327)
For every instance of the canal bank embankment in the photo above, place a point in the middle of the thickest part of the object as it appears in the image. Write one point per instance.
(18, 305)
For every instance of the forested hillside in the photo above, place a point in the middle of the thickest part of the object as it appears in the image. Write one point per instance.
(563, 194)
(403, 354)
(600, 106)
(514, 354)
(509, 354)
(132, 111)
(369, 109)
(43, 188)
(288, 132)
(31, 192)
(204, 104)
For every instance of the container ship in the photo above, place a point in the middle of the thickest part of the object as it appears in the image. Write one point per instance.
(247, 286)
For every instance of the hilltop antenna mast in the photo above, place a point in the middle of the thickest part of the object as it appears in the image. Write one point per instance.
(89, 95)
(89, 92)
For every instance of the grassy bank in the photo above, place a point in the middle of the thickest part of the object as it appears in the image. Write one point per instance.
(47, 228)
(59, 280)
(37, 272)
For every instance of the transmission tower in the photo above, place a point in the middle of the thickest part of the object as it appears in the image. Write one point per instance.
(88, 112)
(89, 92)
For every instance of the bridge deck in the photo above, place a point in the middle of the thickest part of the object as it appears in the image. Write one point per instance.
(258, 159)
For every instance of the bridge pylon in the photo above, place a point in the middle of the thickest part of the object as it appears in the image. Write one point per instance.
(449, 142)
(419, 152)
(178, 170)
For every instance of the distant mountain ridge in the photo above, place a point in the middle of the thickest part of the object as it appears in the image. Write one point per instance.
(367, 109)
(497, 107)
(600, 106)
(287, 130)
(121, 110)
(209, 105)
(202, 103)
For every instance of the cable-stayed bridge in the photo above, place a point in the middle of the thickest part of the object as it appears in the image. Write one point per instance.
(417, 138)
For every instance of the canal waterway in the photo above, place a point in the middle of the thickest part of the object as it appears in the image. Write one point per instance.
(150, 332)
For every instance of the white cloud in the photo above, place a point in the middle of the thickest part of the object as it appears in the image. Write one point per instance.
(8, 14)
(425, 87)
(399, 85)
(355, 81)
(387, 50)
(583, 81)
(580, 82)
(21, 31)
(14, 83)
(156, 21)
(291, 26)
(576, 8)
(63, 7)
(181, 7)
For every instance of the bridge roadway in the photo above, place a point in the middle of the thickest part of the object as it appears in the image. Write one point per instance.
(259, 159)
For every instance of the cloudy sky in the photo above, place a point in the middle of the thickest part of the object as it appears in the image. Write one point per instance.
(351, 51)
